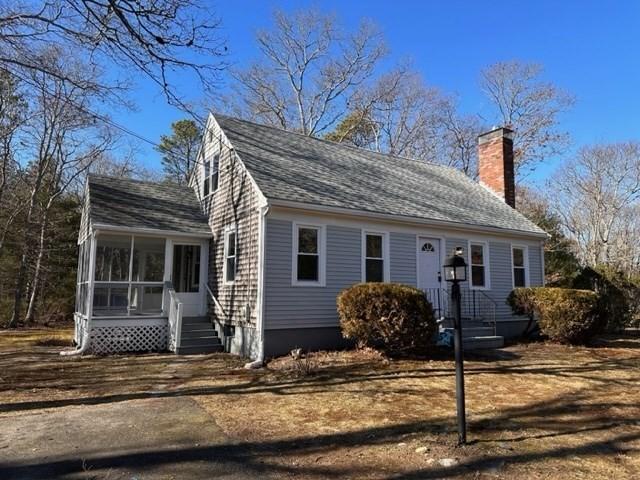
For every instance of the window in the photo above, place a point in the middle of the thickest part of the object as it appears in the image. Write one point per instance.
(308, 261)
(519, 261)
(230, 249)
(374, 264)
(129, 272)
(210, 182)
(428, 247)
(479, 265)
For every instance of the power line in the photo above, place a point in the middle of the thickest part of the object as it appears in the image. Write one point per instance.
(114, 124)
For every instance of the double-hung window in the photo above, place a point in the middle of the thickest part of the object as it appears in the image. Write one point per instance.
(374, 262)
(478, 260)
(230, 255)
(210, 182)
(308, 258)
(519, 262)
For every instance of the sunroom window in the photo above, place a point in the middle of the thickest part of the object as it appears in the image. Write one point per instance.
(127, 284)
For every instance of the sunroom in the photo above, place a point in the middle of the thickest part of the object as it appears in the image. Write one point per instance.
(142, 266)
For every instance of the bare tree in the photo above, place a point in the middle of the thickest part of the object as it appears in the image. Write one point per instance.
(308, 71)
(399, 114)
(598, 198)
(460, 139)
(531, 107)
(160, 39)
(63, 139)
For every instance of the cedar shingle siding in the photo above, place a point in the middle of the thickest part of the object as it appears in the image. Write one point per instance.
(234, 203)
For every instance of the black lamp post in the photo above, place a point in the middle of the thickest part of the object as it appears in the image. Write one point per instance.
(455, 271)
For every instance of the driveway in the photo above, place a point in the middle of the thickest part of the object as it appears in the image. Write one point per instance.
(156, 438)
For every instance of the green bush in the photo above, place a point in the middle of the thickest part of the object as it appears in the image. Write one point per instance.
(619, 298)
(564, 315)
(392, 317)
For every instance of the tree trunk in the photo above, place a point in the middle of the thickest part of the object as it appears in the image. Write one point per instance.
(38, 268)
(22, 270)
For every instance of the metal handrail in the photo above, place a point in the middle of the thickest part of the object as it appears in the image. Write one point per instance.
(475, 305)
(215, 300)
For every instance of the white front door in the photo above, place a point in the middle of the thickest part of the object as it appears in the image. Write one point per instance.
(429, 271)
(429, 263)
(188, 274)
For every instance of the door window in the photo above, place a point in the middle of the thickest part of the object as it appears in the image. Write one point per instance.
(186, 268)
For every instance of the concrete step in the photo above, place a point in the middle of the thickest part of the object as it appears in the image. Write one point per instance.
(202, 341)
(190, 320)
(489, 341)
(199, 349)
(199, 333)
(474, 331)
(196, 326)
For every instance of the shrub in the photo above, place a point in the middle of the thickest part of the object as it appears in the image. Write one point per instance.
(618, 297)
(388, 316)
(564, 315)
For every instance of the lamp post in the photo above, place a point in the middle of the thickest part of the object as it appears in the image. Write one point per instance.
(455, 271)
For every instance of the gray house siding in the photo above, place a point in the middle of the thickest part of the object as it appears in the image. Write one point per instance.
(402, 256)
(306, 316)
(287, 306)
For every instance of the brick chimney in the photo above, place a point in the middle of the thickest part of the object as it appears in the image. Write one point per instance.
(495, 163)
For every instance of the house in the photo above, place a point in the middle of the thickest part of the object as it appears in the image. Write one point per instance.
(251, 256)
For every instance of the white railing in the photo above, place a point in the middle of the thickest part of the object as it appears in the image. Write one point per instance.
(175, 320)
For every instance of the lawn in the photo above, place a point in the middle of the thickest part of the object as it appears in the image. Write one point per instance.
(534, 411)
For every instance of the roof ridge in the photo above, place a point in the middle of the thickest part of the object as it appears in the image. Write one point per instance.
(337, 144)
(135, 180)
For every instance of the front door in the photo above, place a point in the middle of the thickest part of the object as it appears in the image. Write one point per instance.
(187, 276)
(429, 276)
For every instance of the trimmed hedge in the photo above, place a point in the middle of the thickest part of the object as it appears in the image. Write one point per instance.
(564, 315)
(388, 316)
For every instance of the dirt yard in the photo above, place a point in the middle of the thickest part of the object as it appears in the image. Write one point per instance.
(535, 411)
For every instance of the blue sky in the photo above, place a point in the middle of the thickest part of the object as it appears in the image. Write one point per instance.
(589, 48)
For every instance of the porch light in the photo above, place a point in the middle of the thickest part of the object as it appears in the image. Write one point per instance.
(455, 268)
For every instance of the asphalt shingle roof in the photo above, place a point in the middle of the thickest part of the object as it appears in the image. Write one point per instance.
(124, 202)
(292, 167)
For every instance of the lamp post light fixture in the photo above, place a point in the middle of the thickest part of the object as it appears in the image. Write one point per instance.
(455, 271)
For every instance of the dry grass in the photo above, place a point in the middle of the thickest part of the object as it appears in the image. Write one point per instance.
(536, 411)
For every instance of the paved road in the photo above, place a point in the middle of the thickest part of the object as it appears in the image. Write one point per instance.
(151, 439)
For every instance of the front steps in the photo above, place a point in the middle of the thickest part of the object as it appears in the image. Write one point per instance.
(477, 335)
(198, 336)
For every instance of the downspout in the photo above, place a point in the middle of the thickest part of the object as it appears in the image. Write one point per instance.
(84, 345)
(259, 361)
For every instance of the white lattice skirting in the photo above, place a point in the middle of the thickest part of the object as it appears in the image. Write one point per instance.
(145, 337)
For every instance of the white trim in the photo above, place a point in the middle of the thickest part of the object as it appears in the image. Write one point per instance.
(406, 220)
(147, 231)
(525, 254)
(225, 254)
(386, 261)
(542, 265)
(442, 254)
(322, 256)
(486, 263)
